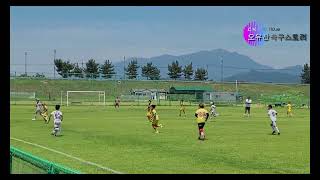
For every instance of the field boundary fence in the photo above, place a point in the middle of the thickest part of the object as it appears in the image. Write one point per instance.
(22, 162)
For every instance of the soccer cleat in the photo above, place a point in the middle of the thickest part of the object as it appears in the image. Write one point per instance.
(273, 132)
(278, 133)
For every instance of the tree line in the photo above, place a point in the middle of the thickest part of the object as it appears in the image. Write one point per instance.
(93, 69)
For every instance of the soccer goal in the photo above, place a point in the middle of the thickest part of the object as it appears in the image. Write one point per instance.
(85, 98)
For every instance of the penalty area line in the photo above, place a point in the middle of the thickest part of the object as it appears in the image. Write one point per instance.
(67, 155)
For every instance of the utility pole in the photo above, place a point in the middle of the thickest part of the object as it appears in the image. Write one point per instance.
(207, 73)
(237, 86)
(124, 67)
(54, 67)
(25, 63)
(221, 72)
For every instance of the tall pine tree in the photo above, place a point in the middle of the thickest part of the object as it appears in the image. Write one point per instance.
(188, 71)
(92, 69)
(305, 75)
(132, 69)
(201, 74)
(107, 69)
(150, 72)
(174, 70)
(64, 68)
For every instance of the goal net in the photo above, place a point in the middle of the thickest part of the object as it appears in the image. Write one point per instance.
(85, 98)
(22, 97)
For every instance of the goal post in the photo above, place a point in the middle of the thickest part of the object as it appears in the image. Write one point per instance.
(85, 97)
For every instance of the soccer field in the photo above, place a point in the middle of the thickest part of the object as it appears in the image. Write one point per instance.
(97, 139)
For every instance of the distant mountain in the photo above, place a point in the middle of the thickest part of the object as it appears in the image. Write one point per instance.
(233, 64)
(258, 76)
(293, 70)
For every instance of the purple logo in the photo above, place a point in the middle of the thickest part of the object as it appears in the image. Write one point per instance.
(253, 33)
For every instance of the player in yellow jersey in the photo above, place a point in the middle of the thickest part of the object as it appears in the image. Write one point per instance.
(182, 108)
(149, 110)
(155, 119)
(202, 116)
(44, 113)
(289, 109)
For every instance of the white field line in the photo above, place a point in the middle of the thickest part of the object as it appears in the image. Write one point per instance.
(70, 156)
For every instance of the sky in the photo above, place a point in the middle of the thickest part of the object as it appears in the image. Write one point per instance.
(80, 33)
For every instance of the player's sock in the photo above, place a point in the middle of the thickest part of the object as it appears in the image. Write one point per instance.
(201, 133)
(277, 129)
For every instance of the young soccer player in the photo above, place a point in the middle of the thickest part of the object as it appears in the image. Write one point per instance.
(202, 116)
(182, 108)
(57, 115)
(247, 107)
(213, 112)
(38, 109)
(117, 102)
(273, 116)
(289, 109)
(155, 119)
(149, 110)
(44, 113)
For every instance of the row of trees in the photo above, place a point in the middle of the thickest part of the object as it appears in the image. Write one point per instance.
(93, 69)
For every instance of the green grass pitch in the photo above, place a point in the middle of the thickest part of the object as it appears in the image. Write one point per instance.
(124, 140)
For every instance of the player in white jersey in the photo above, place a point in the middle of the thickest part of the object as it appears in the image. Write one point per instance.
(247, 106)
(213, 112)
(273, 116)
(57, 115)
(38, 109)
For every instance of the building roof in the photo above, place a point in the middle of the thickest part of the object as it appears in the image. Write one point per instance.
(148, 90)
(191, 88)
